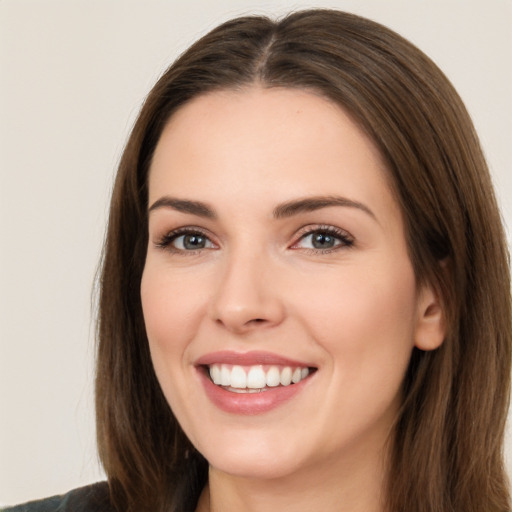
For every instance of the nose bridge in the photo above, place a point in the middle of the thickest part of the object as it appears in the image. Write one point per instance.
(245, 296)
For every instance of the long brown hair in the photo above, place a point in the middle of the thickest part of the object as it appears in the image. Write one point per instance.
(447, 451)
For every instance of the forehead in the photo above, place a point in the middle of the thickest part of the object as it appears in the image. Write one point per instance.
(274, 142)
(291, 114)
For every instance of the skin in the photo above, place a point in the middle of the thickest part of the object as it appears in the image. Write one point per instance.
(353, 312)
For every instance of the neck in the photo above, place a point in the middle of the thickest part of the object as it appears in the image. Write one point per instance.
(348, 487)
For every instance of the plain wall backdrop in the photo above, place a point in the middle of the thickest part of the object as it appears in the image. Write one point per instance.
(73, 74)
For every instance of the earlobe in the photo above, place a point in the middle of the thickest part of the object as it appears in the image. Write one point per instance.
(431, 320)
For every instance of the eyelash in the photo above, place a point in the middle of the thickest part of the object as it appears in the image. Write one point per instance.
(166, 241)
(345, 238)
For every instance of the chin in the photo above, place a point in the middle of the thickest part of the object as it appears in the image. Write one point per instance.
(256, 459)
(262, 468)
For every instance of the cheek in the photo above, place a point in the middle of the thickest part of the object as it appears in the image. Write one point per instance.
(170, 306)
(381, 301)
(366, 326)
(365, 321)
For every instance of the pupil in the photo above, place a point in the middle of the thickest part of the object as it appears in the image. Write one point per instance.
(322, 241)
(194, 242)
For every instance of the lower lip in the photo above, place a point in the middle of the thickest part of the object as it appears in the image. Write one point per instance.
(250, 403)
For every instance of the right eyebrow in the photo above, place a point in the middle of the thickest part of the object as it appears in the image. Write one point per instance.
(184, 206)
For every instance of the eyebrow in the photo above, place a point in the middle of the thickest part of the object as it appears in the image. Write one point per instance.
(284, 210)
(310, 204)
(184, 205)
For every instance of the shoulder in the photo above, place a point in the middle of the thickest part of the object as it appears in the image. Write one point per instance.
(92, 498)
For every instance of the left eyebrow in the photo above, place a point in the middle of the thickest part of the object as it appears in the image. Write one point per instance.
(309, 204)
(184, 205)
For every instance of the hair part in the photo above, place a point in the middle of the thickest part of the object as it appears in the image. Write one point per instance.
(447, 447)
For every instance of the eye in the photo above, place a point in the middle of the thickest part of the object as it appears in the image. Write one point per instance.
(324, 239)
(185, 240)
(191, 242)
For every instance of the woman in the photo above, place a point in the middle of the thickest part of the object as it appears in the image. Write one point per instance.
(305, 287)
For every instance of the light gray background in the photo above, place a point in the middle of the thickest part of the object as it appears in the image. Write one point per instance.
(73, 74)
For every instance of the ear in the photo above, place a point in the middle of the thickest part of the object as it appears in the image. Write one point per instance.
(431, 320)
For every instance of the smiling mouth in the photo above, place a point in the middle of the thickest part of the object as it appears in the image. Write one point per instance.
(255, 378)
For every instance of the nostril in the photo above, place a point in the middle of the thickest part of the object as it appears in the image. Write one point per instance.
(256, 321)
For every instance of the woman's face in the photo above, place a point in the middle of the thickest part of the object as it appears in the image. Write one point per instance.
(277, 263)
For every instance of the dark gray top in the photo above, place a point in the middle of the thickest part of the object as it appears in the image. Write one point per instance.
(92, 498)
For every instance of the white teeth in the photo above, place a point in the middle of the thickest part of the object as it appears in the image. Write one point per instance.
(273, 377)
(215, 374)
(296, 375)
(254, 378)
(286, 376)
(225, 376)
(238, 377)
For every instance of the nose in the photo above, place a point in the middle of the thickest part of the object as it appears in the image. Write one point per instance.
(248, 295)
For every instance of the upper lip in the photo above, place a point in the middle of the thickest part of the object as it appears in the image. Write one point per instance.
(248, 359)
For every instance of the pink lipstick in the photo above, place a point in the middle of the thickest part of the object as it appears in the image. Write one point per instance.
(252, 382)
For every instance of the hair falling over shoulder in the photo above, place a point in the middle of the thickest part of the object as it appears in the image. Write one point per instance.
(447, 449)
